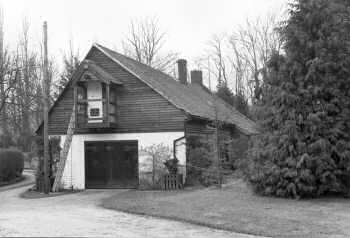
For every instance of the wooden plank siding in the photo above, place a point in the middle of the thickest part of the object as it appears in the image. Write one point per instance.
(139, 107)
(206, 134)
(201, 129)
(60, 114)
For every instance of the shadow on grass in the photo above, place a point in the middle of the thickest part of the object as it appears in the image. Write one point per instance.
(13, 181)
(32, 194)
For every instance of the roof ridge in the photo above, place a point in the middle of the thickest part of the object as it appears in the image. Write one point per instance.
(135, 61)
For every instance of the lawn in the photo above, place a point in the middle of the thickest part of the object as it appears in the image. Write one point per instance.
(237, 209)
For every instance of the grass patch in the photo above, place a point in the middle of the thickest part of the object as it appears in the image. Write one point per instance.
(236, 208)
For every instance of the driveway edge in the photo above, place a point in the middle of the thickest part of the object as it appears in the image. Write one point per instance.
(184, 220)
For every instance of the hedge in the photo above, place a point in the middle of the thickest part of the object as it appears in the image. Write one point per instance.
(11, 164)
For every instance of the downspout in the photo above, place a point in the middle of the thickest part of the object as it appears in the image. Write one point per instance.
(174, 145)
(174, 153)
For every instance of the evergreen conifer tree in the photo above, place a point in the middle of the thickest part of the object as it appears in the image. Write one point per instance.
(238, 101)
(304, 147)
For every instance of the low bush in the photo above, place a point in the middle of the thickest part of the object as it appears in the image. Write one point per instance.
(199, 162)
(6, 141)
(153, 167)
(11, 164)
(54, 155)
(172, 165)
(238, 153)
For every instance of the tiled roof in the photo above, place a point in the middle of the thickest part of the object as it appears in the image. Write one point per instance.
(193, 99)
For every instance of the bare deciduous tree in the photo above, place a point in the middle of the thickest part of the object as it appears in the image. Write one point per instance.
(71, 61)
(158, 155)
(23, 99)
(26, 87)
(218, 58)
(256, 41)
(145, 42)
(239, 59)
(240, 66)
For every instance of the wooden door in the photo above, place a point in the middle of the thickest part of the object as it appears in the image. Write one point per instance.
(111, 164)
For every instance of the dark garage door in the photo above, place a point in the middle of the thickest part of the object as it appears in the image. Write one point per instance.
(111, 164)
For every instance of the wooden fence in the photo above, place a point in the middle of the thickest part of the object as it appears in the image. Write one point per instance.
(172, 182)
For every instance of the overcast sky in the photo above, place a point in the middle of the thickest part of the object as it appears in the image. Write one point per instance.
(189, 23)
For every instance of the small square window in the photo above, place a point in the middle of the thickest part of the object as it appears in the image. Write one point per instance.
(94, 112)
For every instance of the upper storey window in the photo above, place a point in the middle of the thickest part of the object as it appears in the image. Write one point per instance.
(96, 97)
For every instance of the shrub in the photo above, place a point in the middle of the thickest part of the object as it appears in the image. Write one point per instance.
(199, 161)
(54, 154)
(234, 152)
(6, 141)
(243, 162)
(172, 165)
(11, 164)
(153, 165)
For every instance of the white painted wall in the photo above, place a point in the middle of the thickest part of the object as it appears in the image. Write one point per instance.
(74, 172)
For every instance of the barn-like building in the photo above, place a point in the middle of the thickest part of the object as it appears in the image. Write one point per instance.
(121, 107)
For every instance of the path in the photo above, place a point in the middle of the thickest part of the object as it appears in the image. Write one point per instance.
(79, 214)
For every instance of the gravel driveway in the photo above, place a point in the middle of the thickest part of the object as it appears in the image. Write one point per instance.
(79, 214)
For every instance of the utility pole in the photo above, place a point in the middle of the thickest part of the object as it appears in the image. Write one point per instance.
(216, 140)
(216, 132)
(46, 114)
(209, 74)
(3, 116)
(217, 143)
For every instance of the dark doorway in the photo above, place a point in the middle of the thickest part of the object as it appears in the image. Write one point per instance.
(111, 164)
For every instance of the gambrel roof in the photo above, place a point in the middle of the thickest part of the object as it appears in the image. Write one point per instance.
(194, 99)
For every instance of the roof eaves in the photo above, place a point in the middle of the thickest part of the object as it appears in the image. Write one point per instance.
(100, 73)
(246, 131)
(243, 130)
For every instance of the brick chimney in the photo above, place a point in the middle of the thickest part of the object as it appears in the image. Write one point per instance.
(196, 77)
(182, 70)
